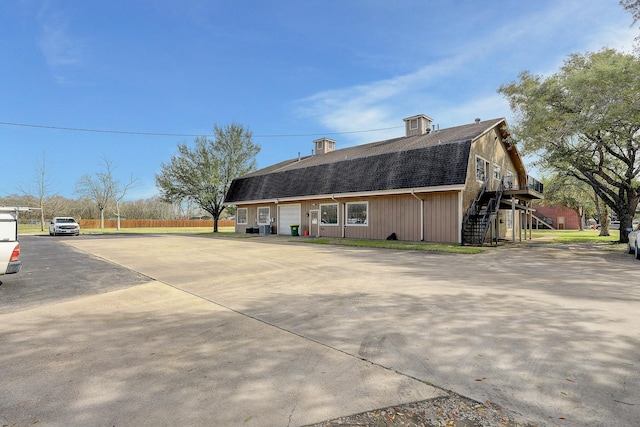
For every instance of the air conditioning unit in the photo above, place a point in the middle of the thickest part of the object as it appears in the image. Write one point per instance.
(265, 230)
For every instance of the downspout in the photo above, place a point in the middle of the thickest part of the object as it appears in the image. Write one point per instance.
(277, 218)
(513, 219)
(344, 225)
(460, 217)
(413, 193)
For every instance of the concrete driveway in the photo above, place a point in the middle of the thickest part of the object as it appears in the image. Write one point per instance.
(266, 332)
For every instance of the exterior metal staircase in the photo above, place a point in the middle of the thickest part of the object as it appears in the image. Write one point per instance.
(480, 215)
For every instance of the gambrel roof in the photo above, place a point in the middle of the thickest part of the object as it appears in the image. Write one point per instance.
(438, 158)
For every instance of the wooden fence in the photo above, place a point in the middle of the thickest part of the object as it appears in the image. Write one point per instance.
(155, 223)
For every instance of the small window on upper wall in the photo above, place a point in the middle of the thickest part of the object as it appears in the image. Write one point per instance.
(357, 213)
(241, 215)
(509, 181)
(497, 172)
(413, 124)
(482, 167)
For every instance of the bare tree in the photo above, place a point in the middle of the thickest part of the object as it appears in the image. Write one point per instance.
(120, 193)
(40, 187)
(103, 188)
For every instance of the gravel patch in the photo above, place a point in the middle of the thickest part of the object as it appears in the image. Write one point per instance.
(448, 411)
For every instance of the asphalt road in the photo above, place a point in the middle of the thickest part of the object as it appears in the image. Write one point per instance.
(264, 331)
(53, 272)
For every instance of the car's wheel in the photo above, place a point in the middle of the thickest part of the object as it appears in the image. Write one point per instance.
(630, 249)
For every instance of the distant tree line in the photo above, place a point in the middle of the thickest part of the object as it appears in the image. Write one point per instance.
(192, 185)
(80, 208)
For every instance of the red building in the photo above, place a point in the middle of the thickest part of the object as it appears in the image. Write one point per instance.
(559, 217)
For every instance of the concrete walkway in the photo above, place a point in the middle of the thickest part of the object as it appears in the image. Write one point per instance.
(263, 332)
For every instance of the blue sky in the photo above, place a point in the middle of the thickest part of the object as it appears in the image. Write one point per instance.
(290, 71)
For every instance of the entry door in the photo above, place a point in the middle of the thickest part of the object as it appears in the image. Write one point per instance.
(314, 223)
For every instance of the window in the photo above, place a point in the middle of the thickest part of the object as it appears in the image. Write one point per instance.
(497, 172)
(241, 215)
(413, 124)
(329, 214)
(509, 220)
(357, 213)
(263, 215)
(509, 180)
(481, 169)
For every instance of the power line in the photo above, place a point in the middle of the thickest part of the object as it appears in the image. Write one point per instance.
(284, 135)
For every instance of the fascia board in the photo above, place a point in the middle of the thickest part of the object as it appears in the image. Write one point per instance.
(399, 191)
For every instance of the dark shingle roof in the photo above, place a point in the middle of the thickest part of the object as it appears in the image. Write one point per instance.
(435, 159)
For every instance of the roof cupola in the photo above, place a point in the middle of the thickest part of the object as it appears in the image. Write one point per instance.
(324, 146)
(417, 125)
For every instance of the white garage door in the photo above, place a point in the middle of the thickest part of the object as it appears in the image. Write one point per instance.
(287, 215)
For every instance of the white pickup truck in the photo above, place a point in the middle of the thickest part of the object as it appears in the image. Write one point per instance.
(9, 246)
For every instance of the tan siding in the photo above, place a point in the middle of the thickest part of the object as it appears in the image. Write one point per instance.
(392, 214)
(252, 216)
(491, 148)
(441, 217)
(398, 214)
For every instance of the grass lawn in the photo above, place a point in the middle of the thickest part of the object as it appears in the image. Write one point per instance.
(575, 236)
(587, 237)
(396, 244)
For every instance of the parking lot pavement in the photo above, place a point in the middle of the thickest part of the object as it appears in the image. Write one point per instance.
(153, 354)
(53, 271)
(550, 333)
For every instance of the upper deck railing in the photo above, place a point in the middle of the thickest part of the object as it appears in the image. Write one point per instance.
(532, 184)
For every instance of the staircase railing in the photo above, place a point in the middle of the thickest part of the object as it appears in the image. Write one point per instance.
(479, 216)
(492, 209)
(474, 209)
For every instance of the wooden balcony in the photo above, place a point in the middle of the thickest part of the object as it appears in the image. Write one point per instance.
(533, 190)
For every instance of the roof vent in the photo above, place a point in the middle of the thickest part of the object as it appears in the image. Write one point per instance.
(417, 125)
(477, 120)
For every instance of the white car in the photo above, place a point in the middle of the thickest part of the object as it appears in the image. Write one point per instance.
(64, 225)
(633, 247)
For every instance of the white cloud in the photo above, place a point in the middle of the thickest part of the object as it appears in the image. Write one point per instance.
(375, 105)
(492, 106)
(61, 50)
(534, 41)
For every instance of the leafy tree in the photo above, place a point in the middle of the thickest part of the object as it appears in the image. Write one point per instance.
(585, 121)
(633, 7)
(203, 174)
